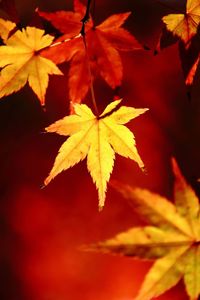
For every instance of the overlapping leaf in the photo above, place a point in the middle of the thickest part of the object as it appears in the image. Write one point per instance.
(172, 239)
(21, 61)
(98, 138)
(103, 42)
(185, 27)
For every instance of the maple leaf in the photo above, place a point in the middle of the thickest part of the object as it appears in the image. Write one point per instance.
(103, 44)
(173, 238)
(98, 138)
(21, 61)
(184, 28)
(185, 25)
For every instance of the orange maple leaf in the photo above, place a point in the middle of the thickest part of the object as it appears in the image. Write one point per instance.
(103, 42)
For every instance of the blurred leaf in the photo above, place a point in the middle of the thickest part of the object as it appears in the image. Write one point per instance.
(174, 238)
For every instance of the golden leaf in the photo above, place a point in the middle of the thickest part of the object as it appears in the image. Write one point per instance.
(21, 61)
(5, 28)
(184, 26)
(98, 138)
(173, 238)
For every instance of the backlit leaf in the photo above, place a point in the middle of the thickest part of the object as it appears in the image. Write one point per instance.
(5, 28)
(98, 138)
(103, 43)
(173, 239)
(185, 26)
(21, 61)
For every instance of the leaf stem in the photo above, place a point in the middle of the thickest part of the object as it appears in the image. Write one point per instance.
(83, 33)
(91, 80)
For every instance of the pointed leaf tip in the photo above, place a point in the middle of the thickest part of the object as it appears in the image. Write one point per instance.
(100, 208)
(177, 172)
(175, 166)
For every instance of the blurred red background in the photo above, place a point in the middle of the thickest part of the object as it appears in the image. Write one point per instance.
(42, 230)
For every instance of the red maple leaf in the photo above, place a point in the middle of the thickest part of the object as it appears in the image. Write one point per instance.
(103, 44)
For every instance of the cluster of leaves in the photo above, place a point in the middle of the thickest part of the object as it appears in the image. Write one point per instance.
(30, 55)
(31, 47)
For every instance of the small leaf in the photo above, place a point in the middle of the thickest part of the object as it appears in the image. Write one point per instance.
(185, 26)
(21, 62)
(184, 29)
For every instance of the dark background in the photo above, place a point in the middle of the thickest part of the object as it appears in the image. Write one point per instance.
(42, 230)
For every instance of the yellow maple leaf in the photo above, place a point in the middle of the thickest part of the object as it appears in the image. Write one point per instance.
(173, 238)
(184, 26)
(21, 61)
(5, 28)
(98, 138)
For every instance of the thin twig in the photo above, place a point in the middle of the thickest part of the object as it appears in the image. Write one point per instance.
(85, 20)
(82, 32)
(86, 17)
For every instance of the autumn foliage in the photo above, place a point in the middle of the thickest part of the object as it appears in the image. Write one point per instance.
(172, 239)
(107, 90)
